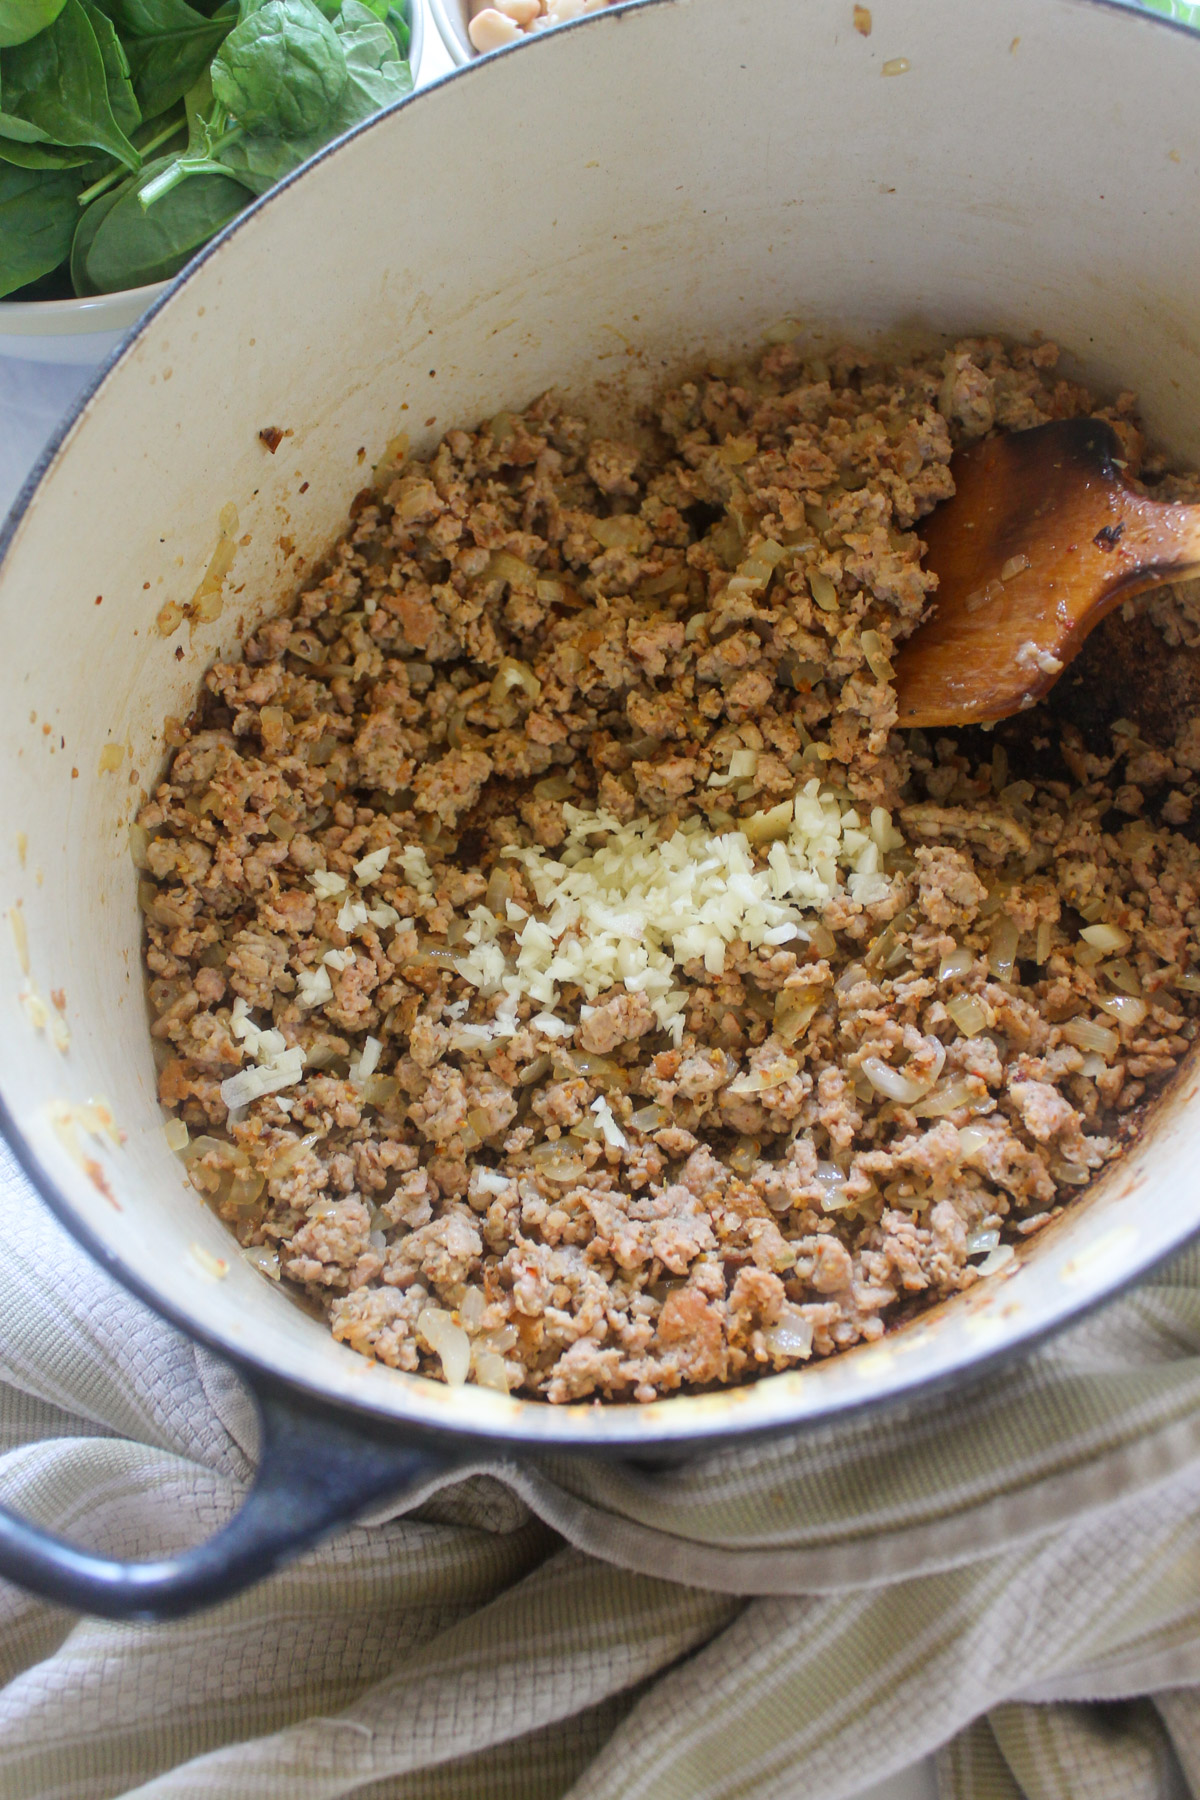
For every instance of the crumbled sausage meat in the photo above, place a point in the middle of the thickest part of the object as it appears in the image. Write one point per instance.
(531, 618)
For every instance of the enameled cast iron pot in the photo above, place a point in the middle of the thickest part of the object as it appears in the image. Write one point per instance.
(588, 207)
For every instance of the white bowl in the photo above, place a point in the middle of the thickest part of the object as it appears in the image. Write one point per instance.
(85, 332)
(451, 18)
(71, 331)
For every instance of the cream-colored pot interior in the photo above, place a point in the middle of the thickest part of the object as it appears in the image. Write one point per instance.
(588, 206)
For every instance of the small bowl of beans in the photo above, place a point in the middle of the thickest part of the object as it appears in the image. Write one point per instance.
(471, 28)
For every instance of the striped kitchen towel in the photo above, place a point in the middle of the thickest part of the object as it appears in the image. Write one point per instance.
(1010, 1577)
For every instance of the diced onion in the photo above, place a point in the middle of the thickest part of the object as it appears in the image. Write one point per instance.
(489, 1370)
(1002, 951)
(1074, 1174)
(897, 1086)
(557, 1163)
(823, 591)
(959, 962)
(511, 674)
(794, 1010)
(227, 1154)
(448, 1341)
(762, 1079)
(877, 661)
(790, 1335)
(500, 1340)
(983, 596)
(1122, 975)
(945, 1099)
(650, 1118)
(471, 1308)
(1126, 1009)
(380, 1090)
(554, 787)
(971, 1139)
(506, 567)
(214, 1268)
(767, 827)
(289, 1154)
(139, 845)
(1086, 1035)
(832, 1181)
(999, 1259)
(982, 1243)
(969, 1014)
(176, 1134)
(623, 531)
(744, 1155)
(264, 1259)
(1108, 938)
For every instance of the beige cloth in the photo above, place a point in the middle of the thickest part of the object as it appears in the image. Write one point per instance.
(1014, 1575)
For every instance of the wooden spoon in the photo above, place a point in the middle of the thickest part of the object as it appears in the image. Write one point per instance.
(1042, 537)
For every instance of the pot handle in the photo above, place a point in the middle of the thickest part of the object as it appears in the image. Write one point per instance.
(316, 1471)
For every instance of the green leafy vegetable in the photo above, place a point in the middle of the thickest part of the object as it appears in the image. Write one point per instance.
(169, 45)
(89, 222)
(377, 73)
(399, 27)
(282, 70)
(376, 77)
(95, 86)
(22, 19)
(56, 82)
(125, 109)
(133, 246)
(37, 220)
(36, 155)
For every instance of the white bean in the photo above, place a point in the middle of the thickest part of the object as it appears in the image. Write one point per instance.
(559, 11)
(489, 30)
(521, 12)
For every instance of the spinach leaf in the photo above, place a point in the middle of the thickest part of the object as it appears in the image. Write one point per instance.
(90, 220)
(397, 23)
(57, 83)
(378, 74)
(125, 108)
(282, 70)
(133, 246)
(394, 17)
(26, 155)
(169, 45)
(22, 19)
(21, 130)
(37, 218)
(375, 77)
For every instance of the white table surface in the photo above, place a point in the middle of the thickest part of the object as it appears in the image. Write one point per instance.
(33, 399)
